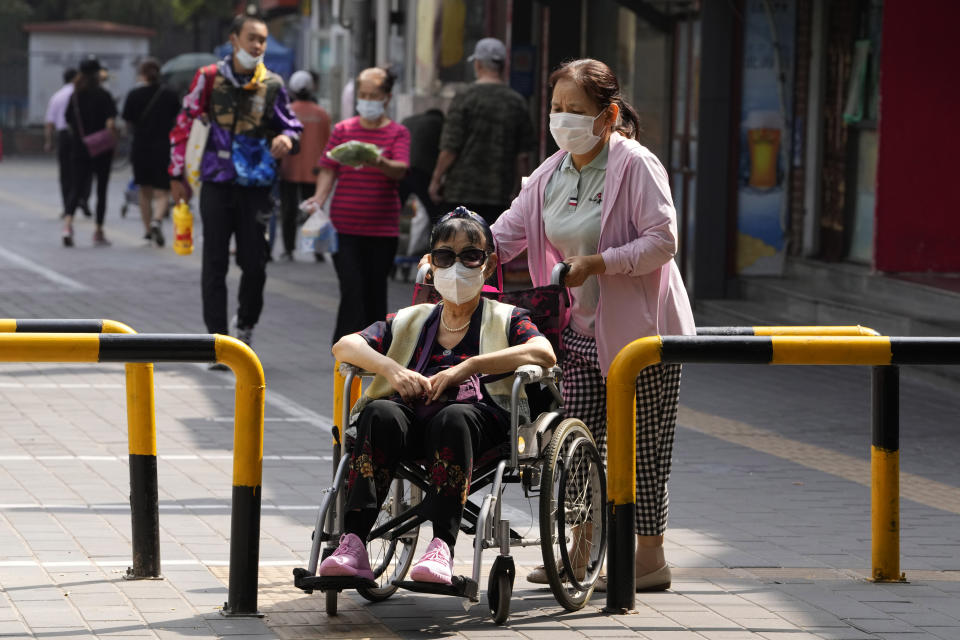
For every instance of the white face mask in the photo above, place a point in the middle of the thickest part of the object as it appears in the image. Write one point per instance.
(370, 109)
(246, 60)
(573, 132)
(458, 283)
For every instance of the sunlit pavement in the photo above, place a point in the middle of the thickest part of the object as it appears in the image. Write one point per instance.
(770, 495)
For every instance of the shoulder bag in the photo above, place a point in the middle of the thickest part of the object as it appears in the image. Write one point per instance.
(98, 142)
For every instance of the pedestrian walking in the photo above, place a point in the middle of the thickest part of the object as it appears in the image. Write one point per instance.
(425, 129)
(91, 110)
(298, 174)
(365, 209)
(486, 142)
(602, 204)
(151, 111)
(251, 126)
(55, 122)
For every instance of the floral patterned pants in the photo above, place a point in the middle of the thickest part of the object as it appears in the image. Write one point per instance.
(388, 432)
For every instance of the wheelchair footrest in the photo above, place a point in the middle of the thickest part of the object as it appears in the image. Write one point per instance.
(310, 583)
(462, 587)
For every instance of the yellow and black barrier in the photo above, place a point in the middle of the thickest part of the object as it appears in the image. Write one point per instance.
(789, 330)
(141, 438)
(248, 420)
(779, 350)
(885, 442)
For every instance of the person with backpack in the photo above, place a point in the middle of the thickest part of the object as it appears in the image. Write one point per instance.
(251, 127)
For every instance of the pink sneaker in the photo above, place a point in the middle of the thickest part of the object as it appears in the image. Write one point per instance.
(436, 565)
(349, 560)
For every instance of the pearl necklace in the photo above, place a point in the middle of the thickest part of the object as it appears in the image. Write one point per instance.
(451, 329)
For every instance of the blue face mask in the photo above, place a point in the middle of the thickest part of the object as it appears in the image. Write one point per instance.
(370, 109)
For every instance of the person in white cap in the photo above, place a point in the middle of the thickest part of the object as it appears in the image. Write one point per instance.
(486, 141)
(298, 174)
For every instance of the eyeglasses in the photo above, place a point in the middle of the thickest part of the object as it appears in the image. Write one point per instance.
(470, 258)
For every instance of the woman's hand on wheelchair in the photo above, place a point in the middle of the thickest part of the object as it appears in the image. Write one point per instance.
(582, 267)
(409, 384)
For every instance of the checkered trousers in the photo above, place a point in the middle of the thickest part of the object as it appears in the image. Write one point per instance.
(658, 396)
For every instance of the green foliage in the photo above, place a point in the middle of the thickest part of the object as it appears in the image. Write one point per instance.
(152, 13)
(185, 10)
(14, 9)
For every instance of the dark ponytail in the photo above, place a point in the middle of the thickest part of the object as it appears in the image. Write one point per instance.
(601, 85)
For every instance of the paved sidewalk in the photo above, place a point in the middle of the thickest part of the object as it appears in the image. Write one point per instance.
(769, 530)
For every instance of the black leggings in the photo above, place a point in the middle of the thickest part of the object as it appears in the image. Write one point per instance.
(388, 432)
(84, 168)
(291, 195)
(363, 265)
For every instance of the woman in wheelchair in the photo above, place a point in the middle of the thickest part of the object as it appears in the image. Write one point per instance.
(436, 395)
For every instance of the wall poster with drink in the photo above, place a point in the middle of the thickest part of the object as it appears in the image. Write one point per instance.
(765, 126)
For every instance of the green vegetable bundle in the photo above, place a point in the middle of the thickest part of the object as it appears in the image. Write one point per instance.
(354, 153)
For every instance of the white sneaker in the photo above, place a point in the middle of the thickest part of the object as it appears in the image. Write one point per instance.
(243, 334)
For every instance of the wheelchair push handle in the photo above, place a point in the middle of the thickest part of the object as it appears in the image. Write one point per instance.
(422, 273)
(559, 273)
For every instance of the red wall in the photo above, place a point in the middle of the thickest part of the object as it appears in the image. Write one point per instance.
(918, 169)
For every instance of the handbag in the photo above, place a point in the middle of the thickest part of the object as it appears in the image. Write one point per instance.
(199, 130)
(193, 156)
(98, 142)
(469, 391)
(254, 164)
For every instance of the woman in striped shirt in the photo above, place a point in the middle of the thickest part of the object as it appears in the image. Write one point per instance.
(365, 209)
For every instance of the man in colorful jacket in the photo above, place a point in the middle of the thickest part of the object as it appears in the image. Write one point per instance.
(251, 128)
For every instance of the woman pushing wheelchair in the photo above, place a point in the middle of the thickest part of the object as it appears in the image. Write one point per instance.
(439, 394)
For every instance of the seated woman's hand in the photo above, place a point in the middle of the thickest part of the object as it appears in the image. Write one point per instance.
(448, 379)
(409, 384)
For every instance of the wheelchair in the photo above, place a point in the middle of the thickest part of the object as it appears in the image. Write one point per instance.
(554, 460)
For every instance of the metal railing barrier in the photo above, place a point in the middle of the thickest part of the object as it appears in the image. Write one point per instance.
(248, 421)
(141, 439)
(773, 349)
(885, 441)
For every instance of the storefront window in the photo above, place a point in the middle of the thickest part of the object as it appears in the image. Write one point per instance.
(456, 26)
(860, 112)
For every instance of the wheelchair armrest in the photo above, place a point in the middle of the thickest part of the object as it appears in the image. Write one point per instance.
(529, 373)
(346, 367)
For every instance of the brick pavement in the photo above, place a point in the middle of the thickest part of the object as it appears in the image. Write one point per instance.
(769, 533)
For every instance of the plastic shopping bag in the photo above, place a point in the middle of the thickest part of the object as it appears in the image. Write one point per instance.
(317, 235)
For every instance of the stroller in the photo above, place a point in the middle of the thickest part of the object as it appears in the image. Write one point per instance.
(553, 458)
(131, 197)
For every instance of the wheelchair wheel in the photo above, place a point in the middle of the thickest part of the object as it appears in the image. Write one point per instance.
(499, 591)
(572, 516)
(391, 559)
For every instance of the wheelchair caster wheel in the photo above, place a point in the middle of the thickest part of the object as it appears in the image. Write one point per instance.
(331, 597)
(499, 591)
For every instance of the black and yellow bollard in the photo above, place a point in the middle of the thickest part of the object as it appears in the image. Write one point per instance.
(248, 421)
(885, 471)
(141, 439)
(793, 346)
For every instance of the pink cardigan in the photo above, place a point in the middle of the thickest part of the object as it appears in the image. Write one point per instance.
(641, 293)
